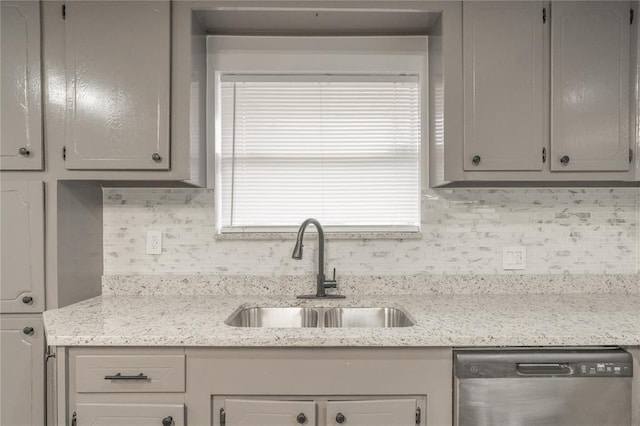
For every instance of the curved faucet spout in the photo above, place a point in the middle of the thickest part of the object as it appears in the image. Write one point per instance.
(297, 250)
(321, 283)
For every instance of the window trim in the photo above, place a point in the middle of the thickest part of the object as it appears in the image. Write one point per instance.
(245, 55)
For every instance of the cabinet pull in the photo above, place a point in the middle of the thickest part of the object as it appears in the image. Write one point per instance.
(301, 418)
(28, 331)
(119, 376)
(156, 157)
(340, 418)
(168, 421)
(565, 160)
(27, 300)
(24, 151)
(475, 160)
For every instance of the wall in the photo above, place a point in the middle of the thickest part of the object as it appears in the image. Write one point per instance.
(565, 230)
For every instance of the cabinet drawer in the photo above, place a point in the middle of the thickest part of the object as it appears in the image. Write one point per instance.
(130, 373)
(130, 414)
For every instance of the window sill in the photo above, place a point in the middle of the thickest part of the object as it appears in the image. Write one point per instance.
(329, 236)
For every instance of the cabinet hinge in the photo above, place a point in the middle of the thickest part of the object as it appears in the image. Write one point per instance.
(49, 354)
(223, 417)
(64, 11)
(544, 15)
(630, 155)
(544, 155)
(418, 415)
(64, 153)
(74, 419)
(631, 16)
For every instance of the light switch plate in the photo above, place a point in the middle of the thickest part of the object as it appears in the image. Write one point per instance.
(154, 242)
(514, 258)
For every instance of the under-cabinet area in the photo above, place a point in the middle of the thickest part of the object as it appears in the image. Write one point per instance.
(255, 386)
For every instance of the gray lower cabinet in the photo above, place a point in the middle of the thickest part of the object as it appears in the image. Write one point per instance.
(254, 386)
(22, 358)
(22, 247)
(118, 83)
(320, 410)
(126, 386)
(248, 412)
(21, 93)
(108, 414)
(374, 412)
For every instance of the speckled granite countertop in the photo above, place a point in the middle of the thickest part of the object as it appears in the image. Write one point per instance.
(441, 320)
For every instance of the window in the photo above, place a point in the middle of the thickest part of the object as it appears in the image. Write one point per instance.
(342, 147)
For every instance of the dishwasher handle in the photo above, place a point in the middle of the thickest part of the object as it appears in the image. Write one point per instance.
(544, 369)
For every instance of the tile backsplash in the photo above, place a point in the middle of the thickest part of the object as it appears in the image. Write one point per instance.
(564, 230)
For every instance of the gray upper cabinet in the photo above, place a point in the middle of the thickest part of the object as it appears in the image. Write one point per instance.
(22, 247)
(21, 113)
(504, 85)
(22, 371)
(590, 86)
(118, 82)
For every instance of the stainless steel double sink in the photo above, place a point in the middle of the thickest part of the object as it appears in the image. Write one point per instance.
(313, 317)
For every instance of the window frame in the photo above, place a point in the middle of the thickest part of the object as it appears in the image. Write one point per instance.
(344, 55)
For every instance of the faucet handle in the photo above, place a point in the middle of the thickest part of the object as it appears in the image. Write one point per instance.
(332, 283)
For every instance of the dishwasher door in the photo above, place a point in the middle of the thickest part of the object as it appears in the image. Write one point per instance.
(543, 387)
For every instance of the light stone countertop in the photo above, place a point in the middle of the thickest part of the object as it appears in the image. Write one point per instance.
(441, 320)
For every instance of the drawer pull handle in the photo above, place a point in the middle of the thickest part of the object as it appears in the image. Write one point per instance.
(168, 421)
(340, 418)
(119, 376)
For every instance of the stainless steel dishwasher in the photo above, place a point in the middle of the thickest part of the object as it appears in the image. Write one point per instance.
(550, 387)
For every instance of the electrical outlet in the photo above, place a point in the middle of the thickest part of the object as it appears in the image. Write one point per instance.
(154, 242)
(514, 258)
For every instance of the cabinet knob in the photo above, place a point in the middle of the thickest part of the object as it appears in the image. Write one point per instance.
(301, 418)
(28, 331)
(24, 151)
(475, 160)
(168, 421)
(340, 418)
(565, 160)
(27, 300)
(156, 157)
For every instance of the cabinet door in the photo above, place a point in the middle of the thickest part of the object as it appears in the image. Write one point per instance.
(21, 117)
(244, 412)
(392, 412)
(118, 84)
(590, 86)
(22, 247)
(504, 89)
(96, 414)
(22, 352)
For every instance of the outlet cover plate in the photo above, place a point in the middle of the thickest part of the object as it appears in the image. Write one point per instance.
(154, 242)
(514, 258)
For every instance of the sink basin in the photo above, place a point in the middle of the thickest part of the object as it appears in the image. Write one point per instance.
(366, 317)
(292, 317)
(274, 317)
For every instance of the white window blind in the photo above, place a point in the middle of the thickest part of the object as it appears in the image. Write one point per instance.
(341, 149)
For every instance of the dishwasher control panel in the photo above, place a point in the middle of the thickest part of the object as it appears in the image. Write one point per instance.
(536, 363)
(604, 369)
